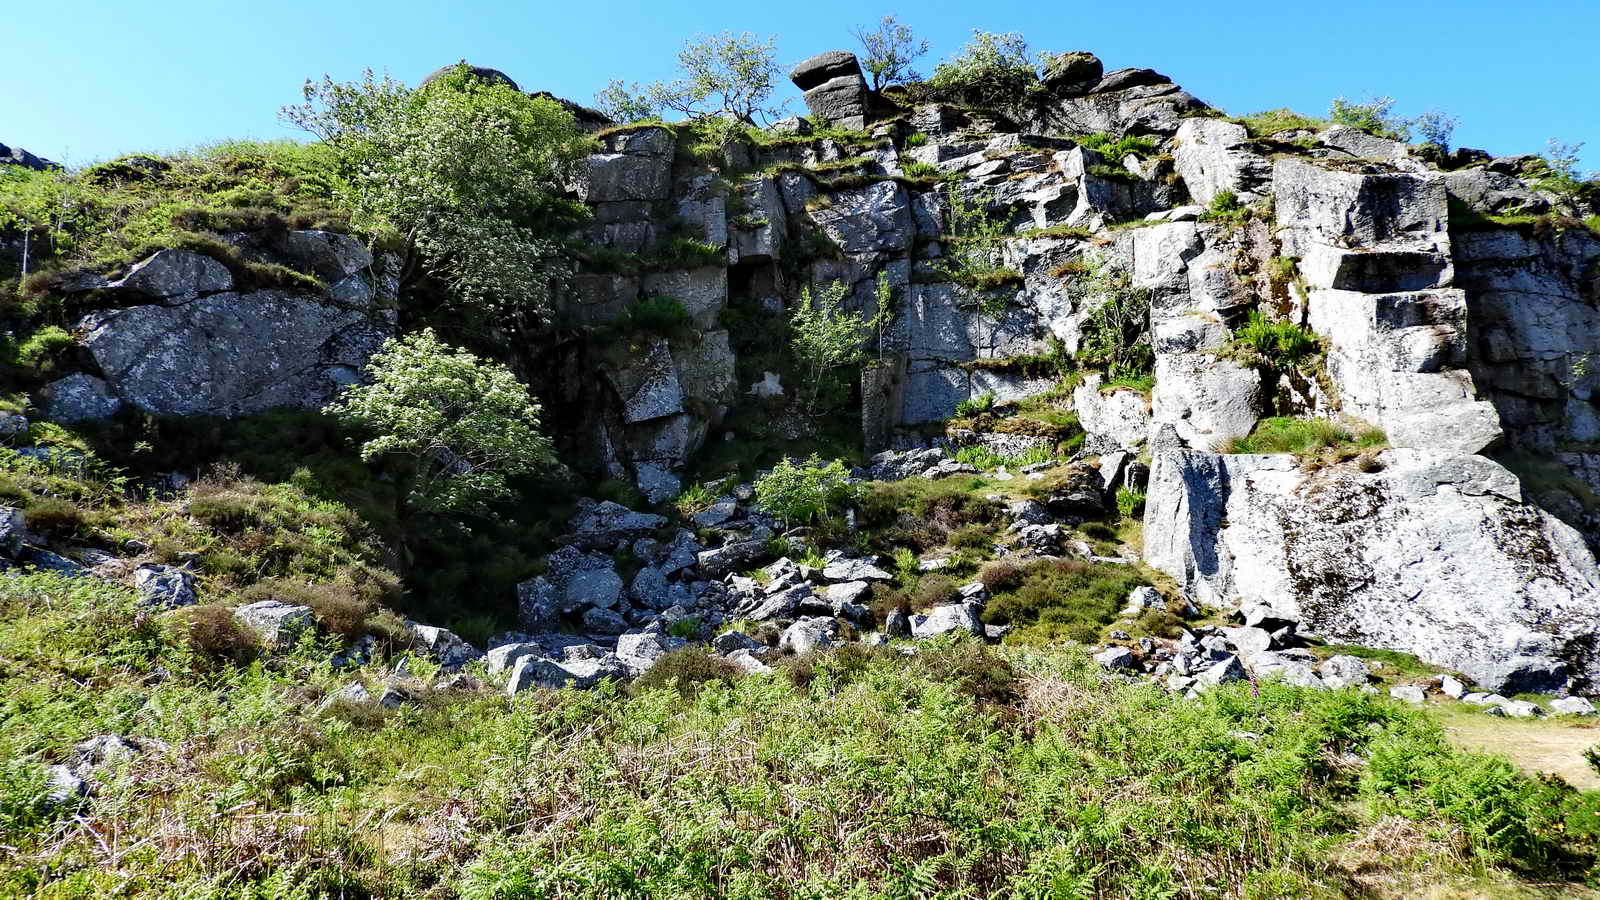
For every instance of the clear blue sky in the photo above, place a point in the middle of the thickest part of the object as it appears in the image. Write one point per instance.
(84, 80)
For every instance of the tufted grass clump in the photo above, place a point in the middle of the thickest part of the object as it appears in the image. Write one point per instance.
(1304, 437)
(1282, 345)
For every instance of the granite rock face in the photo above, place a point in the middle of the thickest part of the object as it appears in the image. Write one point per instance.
(183, 338)
(1433, 553)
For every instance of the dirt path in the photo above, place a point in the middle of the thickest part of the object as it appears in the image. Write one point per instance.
(1535, 745)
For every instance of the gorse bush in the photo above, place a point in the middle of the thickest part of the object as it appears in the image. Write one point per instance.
(804, 492)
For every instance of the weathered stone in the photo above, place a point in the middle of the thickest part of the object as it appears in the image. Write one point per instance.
(637, 166)
(79, 398)
(1113, 419)
(840, 101)
(1117, 659)
(703, 292)
(229, 354)
(1073, 73)
(639, 652)
(277, 624)
(824, 67)
(843, 568)
(445, 647)
(603, 621)
(164, 586)
(1206, 399)
(809, 634)
(582, 674)
(1572, 706)
(947, 618)
(1432, 554)
(1213, 155)
(1221, 672)
(1410, 693)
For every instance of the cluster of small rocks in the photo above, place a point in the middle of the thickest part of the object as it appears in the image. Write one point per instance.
(1265, 644)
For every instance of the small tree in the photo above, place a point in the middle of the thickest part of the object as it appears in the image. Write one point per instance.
(468, 424)
(825, 337)
(993, 71)
(624, 102)
(725, 75)
(891, 47)
(469, 172)
(1371, 116)
(805, 492)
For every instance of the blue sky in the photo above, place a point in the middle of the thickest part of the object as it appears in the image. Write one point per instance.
(84, 80)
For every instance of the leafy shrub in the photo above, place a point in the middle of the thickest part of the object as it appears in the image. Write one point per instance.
(993, 71)
(826, 339)
(1282, 345)
(466, 424)
(805, 492)
(687, 671)
(1130, 502)
(1371, 116)
(975, 405)
(1116, 336)
(471, 170)
(891, 49)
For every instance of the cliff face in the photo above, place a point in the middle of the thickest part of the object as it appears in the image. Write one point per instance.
(1455, 334)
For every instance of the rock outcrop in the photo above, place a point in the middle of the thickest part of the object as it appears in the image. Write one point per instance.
(179, 334)
(1431, 552)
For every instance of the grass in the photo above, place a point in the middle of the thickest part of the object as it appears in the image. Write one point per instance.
(1280, 345)
(983, 458)
(962, 770)
(1304, 437)
(1056, 599)
(121, 213)
(1273, 121)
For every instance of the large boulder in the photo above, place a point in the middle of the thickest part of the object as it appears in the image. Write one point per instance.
(636, 165)
(206, 348)
(1214, 155)
(1070, 74)
(1431, 553)
(839, 101)
(79, 398)
(484, 74)
(16, 156)
(824, 67)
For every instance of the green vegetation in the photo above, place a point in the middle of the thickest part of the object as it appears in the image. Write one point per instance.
(1130, 502)
(975, 405)
(1114, 150)
(1561, 177)
(1280, 345)
(1050, 600)
(993, 71)
(105, 217)
(984, 459)
(826, 339)
(891, 49)
(915, 169)
(922, 515)
(725, 81)
(704, 783)
(1273, 121)
(808, 492)
(467, 424)
(1371, 116)
(470, 171)
(1305, 437)
(1225, 207)
(1116, 336)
